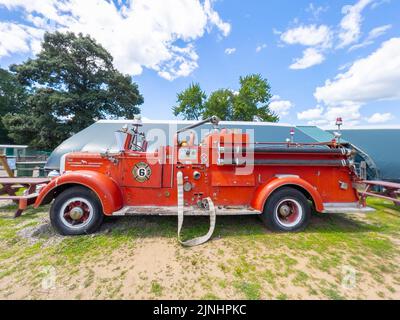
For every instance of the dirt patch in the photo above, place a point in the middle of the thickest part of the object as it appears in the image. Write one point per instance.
(339, 257)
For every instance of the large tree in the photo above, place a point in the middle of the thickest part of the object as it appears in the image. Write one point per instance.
(220, 103)
(250, 103)
(12, 99)
(190, 103)
(72, 83)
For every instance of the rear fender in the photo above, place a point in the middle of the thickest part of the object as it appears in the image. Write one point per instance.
(103, 186)
(264, 191)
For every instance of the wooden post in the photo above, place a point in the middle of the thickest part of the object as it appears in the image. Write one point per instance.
(3, 160)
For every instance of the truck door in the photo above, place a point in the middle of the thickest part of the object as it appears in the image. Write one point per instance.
(141, 170)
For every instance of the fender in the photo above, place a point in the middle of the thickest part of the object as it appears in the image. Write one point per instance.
(105, 188)
(265, 190)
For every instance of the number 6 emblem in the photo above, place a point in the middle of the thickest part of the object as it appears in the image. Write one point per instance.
(141, 171)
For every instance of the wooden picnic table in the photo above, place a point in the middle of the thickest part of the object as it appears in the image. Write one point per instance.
(10, 186)
(390, 191)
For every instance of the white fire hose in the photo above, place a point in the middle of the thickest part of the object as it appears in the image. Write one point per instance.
(199, 240)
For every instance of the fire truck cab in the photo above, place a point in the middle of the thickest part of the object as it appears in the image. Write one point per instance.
(224, 174)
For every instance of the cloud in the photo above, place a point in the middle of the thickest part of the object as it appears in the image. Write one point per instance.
(327, 116)
(351, 23)
(19, 38)
(230, 51)
(261, 47)
(373, 78)
(311, 35)
(316, 11)
(311, 114)
(378, 3)
(140, 33)
(311, 57)
(372, 35)
(279, 106)
(379, 31)
(320, 39)
(380, 118)
(317, 38)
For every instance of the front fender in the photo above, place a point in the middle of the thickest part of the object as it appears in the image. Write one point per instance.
(265, 190)
(105, 188)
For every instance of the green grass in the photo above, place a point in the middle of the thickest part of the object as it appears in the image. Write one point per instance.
(250, 290)
(252, 262)
(156, 288)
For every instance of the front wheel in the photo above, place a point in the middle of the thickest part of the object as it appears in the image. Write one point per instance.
(76, 211)
(287, 210)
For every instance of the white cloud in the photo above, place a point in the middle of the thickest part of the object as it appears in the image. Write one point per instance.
(261, 47)
(378, 3)
(372, 35)
(348, 111)
(316, 11)
(317, 38)
(279, 106)
(215, 19)
(18, 38)
(140, 33)
(321, 116)
(311, 114)
(351, 23)
(230, 51)
(380, 118)
(373, 78)
(311, 35)
(311, 57)
(379, 31)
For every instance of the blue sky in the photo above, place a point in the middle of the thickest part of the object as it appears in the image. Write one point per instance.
(297, 45)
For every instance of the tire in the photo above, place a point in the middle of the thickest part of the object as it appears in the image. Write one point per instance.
(287, 210)
(76, 211)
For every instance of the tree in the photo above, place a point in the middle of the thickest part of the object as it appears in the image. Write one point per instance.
(12, 99)
(72, 83)
(250, 103)
(220, 104)
(190, 103)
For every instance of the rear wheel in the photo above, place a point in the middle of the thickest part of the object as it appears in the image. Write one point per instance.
(76, 211)
(287, 210)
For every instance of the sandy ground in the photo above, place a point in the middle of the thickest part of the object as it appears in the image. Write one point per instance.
(262, 265)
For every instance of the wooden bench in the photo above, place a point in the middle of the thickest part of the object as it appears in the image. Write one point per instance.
(10, 186)
(390, 192)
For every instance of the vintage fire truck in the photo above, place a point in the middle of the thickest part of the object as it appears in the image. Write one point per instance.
(224, 174)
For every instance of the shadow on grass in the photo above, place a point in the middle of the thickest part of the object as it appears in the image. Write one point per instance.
(226, 226)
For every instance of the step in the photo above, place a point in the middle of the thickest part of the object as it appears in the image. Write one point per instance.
(188, 211)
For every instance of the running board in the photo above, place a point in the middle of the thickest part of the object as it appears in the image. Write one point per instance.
(188, 211)
(346, 208)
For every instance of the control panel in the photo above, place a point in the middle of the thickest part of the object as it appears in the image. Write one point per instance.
(188, 155)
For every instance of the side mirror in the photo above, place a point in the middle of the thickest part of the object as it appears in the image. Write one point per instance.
(120, 139)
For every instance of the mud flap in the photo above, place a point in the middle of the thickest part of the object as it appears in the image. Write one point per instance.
(199, 240)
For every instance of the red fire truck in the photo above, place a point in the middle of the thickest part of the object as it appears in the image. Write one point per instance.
(224, 174)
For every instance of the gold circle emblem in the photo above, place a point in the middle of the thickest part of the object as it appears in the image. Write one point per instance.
(141, 171)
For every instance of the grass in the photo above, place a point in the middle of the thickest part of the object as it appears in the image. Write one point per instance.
(244, 260)
(156, 288)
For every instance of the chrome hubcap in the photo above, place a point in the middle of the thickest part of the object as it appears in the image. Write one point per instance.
(289, 213)
(76, 213)
(284, 210)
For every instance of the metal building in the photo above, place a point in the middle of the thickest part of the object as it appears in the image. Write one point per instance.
(377, 150)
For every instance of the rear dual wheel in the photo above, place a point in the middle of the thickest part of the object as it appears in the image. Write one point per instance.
(287, 210)
(76, 211)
